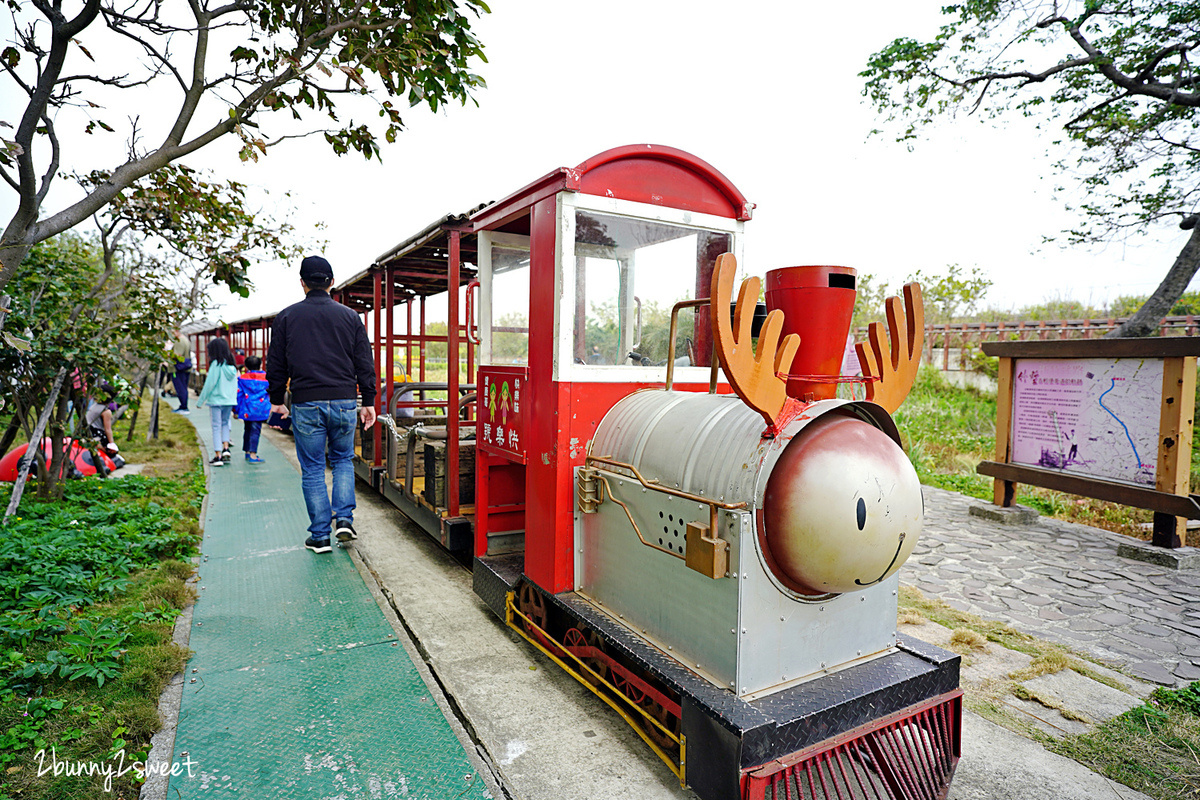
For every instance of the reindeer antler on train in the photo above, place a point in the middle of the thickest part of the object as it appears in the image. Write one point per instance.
(889, 362)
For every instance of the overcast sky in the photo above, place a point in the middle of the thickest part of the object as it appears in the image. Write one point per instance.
(767, 92)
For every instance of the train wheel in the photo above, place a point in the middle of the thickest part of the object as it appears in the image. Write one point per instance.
(533, 606)
(620, 679)
(668, 720)
(576, 640)
(599, 665)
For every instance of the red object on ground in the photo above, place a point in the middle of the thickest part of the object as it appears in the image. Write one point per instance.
(78, 455)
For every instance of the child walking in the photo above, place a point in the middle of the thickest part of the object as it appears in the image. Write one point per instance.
(253, 406)
(220, 393)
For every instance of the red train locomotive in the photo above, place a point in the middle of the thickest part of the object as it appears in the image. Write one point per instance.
(660, 488)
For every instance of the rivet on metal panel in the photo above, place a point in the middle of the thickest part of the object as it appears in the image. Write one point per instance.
(743, 631)
(193, 680)
(697, 666)
(783, 619)
(194, 670)
(822, 665)
(743, 688)
(862, 598)
(733, 631)
(745, 576)
(203, 587)
(822, 608)
(669, 647)
(858, 652)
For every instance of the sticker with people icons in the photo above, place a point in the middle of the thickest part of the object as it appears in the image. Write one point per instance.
(499, 411)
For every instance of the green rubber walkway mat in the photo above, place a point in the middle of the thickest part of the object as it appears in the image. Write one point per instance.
(298, 687)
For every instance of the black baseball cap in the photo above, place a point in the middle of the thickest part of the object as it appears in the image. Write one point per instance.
(315, 269)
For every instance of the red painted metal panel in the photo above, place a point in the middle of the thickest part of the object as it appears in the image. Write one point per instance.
(662, 176)
(499, 497)
(390, 339)
(452, 368)
(408, 340)
(421, 341)
(378, 343)
(544, 536)
(546, 186)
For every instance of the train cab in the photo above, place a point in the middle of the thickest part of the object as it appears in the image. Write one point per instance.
(578, 274)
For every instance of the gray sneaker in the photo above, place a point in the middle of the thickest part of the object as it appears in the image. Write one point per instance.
(343, 531)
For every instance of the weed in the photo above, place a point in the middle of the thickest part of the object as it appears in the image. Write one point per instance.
(89, 589)
(965, 640)
(1152, 748)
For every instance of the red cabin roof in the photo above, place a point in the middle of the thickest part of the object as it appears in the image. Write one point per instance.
(644, 173)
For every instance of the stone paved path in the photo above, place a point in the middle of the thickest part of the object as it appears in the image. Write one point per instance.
(1064, 583)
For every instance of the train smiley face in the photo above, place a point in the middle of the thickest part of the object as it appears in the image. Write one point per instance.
(842, 509)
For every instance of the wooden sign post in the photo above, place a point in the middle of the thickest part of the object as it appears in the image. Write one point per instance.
(1091, 417)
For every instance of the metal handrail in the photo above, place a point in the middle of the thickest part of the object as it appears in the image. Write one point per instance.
(675, 309)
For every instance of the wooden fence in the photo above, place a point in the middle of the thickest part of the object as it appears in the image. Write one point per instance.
(940, 340)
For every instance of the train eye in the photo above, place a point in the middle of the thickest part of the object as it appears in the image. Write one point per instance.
(862, 513)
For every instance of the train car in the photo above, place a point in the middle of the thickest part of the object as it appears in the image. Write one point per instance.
(659, 487)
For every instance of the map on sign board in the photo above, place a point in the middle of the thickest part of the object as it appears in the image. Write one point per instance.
(1096, 417)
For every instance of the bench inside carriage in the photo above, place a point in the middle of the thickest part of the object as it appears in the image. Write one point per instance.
(415, 453)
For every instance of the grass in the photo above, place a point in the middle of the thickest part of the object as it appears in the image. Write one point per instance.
(90, 588)
(1154, 748)
(970, 633)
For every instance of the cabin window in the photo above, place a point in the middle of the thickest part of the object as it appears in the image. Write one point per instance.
(510, 306)
(629, 273)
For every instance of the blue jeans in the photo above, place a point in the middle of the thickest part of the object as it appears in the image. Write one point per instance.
(181, 388)
(315, 425)
(250, 435)
(220, 425)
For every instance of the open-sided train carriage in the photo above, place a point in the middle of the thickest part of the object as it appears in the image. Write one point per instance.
(693, 525)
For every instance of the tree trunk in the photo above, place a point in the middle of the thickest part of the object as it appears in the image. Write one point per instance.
(35, 441)
(10, 434)
(51, 485)
(1145, 322)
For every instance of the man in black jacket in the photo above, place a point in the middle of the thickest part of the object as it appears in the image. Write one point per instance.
(322, 347)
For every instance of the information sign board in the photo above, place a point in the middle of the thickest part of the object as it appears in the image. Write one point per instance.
(1097, 417)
